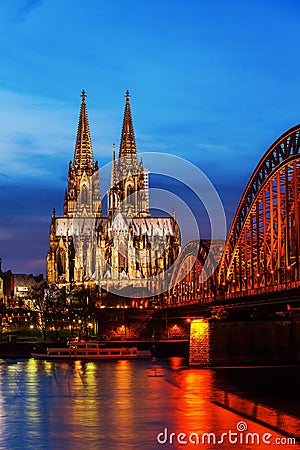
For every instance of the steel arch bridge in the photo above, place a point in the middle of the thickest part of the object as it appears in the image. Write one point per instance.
(262, 250)
(194, 263)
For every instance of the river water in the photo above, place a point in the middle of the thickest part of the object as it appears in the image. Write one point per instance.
(124, 405)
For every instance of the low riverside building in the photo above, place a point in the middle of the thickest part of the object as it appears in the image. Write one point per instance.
(22, 284)
(6, 286)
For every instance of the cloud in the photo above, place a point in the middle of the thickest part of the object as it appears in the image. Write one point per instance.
(25, 10)
(211, 146)
(37, 136)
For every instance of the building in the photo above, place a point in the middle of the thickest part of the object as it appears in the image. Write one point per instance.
(6, 287)
(14, 288)
(126, 250)
(22, 285)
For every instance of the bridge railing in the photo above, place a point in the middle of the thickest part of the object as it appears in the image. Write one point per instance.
(191, 299)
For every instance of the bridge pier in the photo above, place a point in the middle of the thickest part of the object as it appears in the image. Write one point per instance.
(217, 343)
(200, 343)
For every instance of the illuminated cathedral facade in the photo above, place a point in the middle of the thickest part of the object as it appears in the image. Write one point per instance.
(126, 247)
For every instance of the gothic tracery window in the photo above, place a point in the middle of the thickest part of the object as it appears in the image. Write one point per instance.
(84, 195)
(130, 195)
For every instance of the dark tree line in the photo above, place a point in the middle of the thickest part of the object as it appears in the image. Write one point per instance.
(54, 308)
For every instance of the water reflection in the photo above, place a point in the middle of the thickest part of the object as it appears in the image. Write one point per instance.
(196, 393)
(112, 405)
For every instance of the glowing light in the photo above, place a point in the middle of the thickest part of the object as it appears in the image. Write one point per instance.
(78, 365)
(176, 362)
(199, 343)
(199, 327)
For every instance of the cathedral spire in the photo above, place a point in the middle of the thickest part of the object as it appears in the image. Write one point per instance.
(127, 146)
(83, 156)
(83, 177)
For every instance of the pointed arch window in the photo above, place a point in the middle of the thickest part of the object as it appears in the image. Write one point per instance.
(61, 263)
(84, 195)
(111, 200)
(122, 257)
(130, 195)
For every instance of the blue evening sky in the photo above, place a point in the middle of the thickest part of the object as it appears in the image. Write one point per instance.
(212, 82)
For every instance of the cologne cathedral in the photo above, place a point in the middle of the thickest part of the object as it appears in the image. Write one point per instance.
(125, 250)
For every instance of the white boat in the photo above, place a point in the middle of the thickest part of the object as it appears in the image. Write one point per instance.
(91, 351)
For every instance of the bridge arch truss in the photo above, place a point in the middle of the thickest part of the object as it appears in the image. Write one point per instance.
(262, 250)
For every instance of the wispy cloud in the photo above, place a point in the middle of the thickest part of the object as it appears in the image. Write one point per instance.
(25, 10)
(37, 136)
(211, 146)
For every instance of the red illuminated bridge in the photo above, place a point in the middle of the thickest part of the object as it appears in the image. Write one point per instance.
(261, 253)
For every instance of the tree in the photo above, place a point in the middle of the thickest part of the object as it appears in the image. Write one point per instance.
(83, 305)
(37, 296)
(48, 303)
(55, 300)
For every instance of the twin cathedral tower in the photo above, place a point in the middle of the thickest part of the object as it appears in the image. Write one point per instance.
(125, 248)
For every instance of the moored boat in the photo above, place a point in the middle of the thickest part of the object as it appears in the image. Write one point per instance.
(91, 351)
